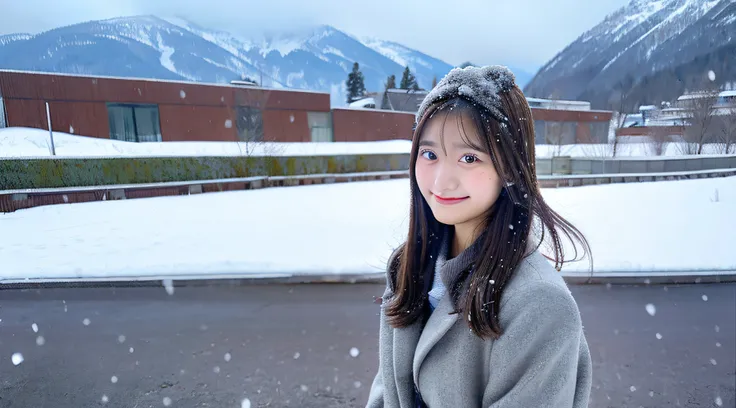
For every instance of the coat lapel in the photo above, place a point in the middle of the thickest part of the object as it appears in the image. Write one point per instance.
(438, 324)
(404, 344)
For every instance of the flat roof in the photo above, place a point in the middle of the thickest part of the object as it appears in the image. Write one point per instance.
(172, 81)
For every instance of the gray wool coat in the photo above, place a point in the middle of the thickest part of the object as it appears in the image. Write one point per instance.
(541, 359)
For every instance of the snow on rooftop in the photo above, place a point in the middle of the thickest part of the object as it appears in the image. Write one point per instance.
(363, 103)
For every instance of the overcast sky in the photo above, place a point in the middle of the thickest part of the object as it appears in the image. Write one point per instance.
(521, 33)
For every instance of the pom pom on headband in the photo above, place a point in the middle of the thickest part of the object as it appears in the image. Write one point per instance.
(480, 86)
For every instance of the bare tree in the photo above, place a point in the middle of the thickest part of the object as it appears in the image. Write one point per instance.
(621, 103)
(699, 119)
(726, 125)
(657, 139)
(250, 103)
(554, 132)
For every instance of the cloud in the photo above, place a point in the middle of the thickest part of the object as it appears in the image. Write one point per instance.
(520, 33)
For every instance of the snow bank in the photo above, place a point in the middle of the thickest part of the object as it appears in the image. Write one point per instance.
(345, 228)
(27, 142)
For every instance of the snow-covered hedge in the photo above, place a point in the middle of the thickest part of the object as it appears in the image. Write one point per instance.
(77, 172)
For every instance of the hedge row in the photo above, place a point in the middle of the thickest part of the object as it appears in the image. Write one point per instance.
(73, 172)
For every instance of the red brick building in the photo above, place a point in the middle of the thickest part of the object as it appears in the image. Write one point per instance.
(141, 110)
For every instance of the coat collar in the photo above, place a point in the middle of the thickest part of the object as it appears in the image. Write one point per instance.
(443, 318)
(438, 324)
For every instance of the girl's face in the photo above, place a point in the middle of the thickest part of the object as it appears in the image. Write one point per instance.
(458, 181)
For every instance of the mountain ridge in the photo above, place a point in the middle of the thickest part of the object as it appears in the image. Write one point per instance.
(637, 43)
(172, 48)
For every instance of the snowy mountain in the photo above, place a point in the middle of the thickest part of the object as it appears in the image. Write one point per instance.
(651, 50)
(172, 48)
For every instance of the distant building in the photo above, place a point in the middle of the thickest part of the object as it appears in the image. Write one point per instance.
(146, 110)
(402, 100)
(558, 104)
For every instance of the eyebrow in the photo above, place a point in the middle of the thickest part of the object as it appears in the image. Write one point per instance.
(457, 145)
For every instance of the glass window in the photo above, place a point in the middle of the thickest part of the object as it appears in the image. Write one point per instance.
(134, 123)
(320, 126)
(250, 124)
(3, 122)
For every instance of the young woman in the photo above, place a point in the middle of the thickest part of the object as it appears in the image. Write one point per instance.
(473, 314)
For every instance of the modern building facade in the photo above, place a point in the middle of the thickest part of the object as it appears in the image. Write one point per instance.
(145, 110)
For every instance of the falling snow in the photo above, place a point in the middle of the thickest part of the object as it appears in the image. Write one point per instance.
(216, 369)
(718, 401)
(651, 393)
(651, 309)
(632, 388)
(114, 379)
(86, 322)
(718, 344)
(511, 226)
(296, 355)
(169, 286)
(705, 298)
(131, 350)
(718, 329)
(357, 384)
(245, 403)
(713, 361)
(228, 357)
(167, 400)
(354, 352)
(711, 75)
(304, 388)
(659, 336)
(17, 358)
(40, 341)
(121, 339)
(105, 400)
(182, 94)
(228, 123)
(34, 326)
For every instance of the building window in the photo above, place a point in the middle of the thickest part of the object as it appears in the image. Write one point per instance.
(554, 133)
(250, 124)
(599, 132)
(134, 123)
(320, 126)
(3, 121)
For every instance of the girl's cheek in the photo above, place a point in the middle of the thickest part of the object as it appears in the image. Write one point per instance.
(423, 174)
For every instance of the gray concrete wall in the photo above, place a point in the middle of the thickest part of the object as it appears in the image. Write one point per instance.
(579, 165)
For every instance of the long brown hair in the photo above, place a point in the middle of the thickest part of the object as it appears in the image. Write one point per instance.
(519, 214)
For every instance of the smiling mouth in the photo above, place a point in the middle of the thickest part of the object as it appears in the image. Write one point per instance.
(449, 200)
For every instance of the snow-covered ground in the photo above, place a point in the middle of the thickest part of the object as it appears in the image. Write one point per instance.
(344, 229)
(26, 142)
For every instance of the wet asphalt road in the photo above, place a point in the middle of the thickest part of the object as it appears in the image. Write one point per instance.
(290, 346)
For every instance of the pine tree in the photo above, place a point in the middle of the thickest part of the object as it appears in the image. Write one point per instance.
(434, 82)
(355, 84)
(408, 81)
(390, 82)
(467, 64)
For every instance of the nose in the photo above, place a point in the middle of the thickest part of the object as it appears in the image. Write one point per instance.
(445, 178)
